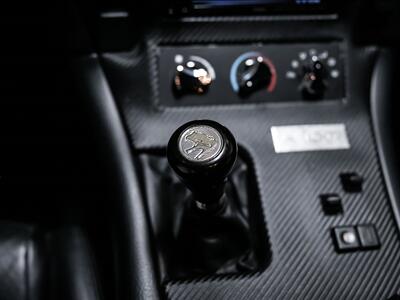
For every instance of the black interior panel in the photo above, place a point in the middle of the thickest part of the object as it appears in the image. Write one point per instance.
(304, 253)
(200, 149)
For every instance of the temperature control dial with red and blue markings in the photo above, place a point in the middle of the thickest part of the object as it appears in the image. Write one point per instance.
(252, 72)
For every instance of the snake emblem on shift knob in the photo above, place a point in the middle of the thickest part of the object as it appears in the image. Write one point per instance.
(202, 153)
(200, 143)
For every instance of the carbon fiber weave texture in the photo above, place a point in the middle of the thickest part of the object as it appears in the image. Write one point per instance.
(304, 263)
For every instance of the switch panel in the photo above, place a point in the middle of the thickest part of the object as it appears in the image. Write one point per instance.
(355, 238)
(239, 74)
(345, 239)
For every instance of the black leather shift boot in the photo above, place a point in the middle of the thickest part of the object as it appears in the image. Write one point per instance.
(190, 242)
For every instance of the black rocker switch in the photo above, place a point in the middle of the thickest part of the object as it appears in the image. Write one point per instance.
(368, 237)
(331, 204)
(352, 182)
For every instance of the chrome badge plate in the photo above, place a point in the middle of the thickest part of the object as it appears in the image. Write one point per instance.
(301, 138)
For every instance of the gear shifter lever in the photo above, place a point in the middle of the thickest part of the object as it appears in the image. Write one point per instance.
(213, 234)
(205, 212)
(203, 154)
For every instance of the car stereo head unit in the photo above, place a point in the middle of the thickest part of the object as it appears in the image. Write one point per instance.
(224, 7)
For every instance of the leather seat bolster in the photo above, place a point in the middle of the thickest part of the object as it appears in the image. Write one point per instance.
(37, 266)
(72, 267)
(21, 265)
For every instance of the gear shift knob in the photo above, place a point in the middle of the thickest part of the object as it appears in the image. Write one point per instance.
(203, 154)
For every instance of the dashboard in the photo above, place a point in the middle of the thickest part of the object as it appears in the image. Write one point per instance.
(308, 213)
(208, 149)
(245, 6)
(254, 143)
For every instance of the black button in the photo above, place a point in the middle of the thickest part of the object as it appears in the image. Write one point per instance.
(331, 204)
(351, 182)
(345, 239)
(368, 236)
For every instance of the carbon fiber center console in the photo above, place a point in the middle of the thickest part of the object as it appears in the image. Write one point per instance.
(331, 223)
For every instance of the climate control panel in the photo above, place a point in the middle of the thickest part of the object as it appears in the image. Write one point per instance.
(238, 74)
